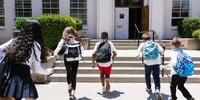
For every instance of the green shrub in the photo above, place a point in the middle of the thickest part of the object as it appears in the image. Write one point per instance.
(196, 34)
(52, 27)
(188, 26)
(19, 22)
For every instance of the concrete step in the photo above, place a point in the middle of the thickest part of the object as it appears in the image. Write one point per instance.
(88, 58)
(115, 70)
(122, 78)
(119, 63)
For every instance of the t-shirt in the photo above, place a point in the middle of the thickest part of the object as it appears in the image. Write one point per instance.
(107, 64)
(154, 61)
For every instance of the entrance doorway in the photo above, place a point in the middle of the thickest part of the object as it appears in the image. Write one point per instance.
(127, 14)
(134, 18)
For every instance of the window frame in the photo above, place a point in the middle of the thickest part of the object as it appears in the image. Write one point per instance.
(77, 7)
(180, 10)
(2, 14)
(50, 9)
(24, 8)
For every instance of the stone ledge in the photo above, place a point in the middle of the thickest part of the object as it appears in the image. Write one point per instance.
(190, 43)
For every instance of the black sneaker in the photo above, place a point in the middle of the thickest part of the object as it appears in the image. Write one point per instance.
(149, 91)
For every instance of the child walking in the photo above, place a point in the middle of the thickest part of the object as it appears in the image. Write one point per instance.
(151, 52)
(72, 55)
(177, 80)
(104, 60)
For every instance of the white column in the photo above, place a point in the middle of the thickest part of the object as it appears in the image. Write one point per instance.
(156, 16)
(105, 17)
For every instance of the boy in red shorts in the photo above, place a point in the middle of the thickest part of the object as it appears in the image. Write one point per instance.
(104, 54)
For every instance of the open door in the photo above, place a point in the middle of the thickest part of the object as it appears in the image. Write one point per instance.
(145, 18)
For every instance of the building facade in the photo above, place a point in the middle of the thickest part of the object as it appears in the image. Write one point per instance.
(117, 17)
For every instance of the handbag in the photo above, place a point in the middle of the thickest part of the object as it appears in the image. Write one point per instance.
(5, 69)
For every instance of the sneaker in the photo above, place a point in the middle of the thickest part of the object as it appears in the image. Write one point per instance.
(103, 89)
(157, 91)
(149, 91)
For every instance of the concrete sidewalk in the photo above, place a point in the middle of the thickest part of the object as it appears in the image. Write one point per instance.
(119, 91)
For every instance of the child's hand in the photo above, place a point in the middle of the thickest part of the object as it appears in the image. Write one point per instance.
(162, 66)
(138, 56)
(93, 65)
(57, 56)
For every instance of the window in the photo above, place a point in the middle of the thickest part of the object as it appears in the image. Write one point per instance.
(78, 9)
(2, 17)
(50, 6)
(23, 8)
(128, 3)
(180, 10)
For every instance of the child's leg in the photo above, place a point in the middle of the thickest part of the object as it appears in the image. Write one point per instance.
(148, 76)
(182, 88)
(107, 80)
(173, 84)
(102, 78)
(156, 76)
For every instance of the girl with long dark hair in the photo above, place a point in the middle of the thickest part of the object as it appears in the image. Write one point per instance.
(25, 51)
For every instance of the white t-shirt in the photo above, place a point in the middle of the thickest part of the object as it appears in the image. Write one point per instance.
(107, 64)
(35, 64)
(173, 61)
(154, 61)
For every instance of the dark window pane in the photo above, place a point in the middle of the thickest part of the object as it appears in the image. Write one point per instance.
(184, 13)
(55, 11)
(55, 1)
(176, 13)
(54, 5)
(73, 0)
(2, 21)
(18, 5)
(46, 5)
(1, 12)
(27, 5)
(176, 21)
(45, 0)
(136, 2)
(121, 3)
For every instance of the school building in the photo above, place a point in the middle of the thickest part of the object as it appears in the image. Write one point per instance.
(117, 17)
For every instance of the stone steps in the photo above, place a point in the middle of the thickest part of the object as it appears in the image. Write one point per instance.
(127, 44)
(120, 63)
(126, 67)
(121, 78)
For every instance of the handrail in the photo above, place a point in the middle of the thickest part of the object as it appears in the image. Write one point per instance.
(162, 44)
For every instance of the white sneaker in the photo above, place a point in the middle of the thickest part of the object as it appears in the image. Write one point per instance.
(157, 91)
(103, 89)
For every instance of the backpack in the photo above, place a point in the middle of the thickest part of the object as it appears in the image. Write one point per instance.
(73, 51)
(103, 53)
(150, 50)
(184, 65)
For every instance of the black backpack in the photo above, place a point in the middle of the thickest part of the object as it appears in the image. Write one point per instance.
(103, 53)
(73, 50)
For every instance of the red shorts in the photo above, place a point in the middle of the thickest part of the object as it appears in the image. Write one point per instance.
(105, 70)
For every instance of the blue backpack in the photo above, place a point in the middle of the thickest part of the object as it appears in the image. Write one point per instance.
(150, 50)
(184, 65)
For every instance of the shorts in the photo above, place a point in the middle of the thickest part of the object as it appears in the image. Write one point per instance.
(105, 70)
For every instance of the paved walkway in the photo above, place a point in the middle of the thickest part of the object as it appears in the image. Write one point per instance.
(119, 91)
